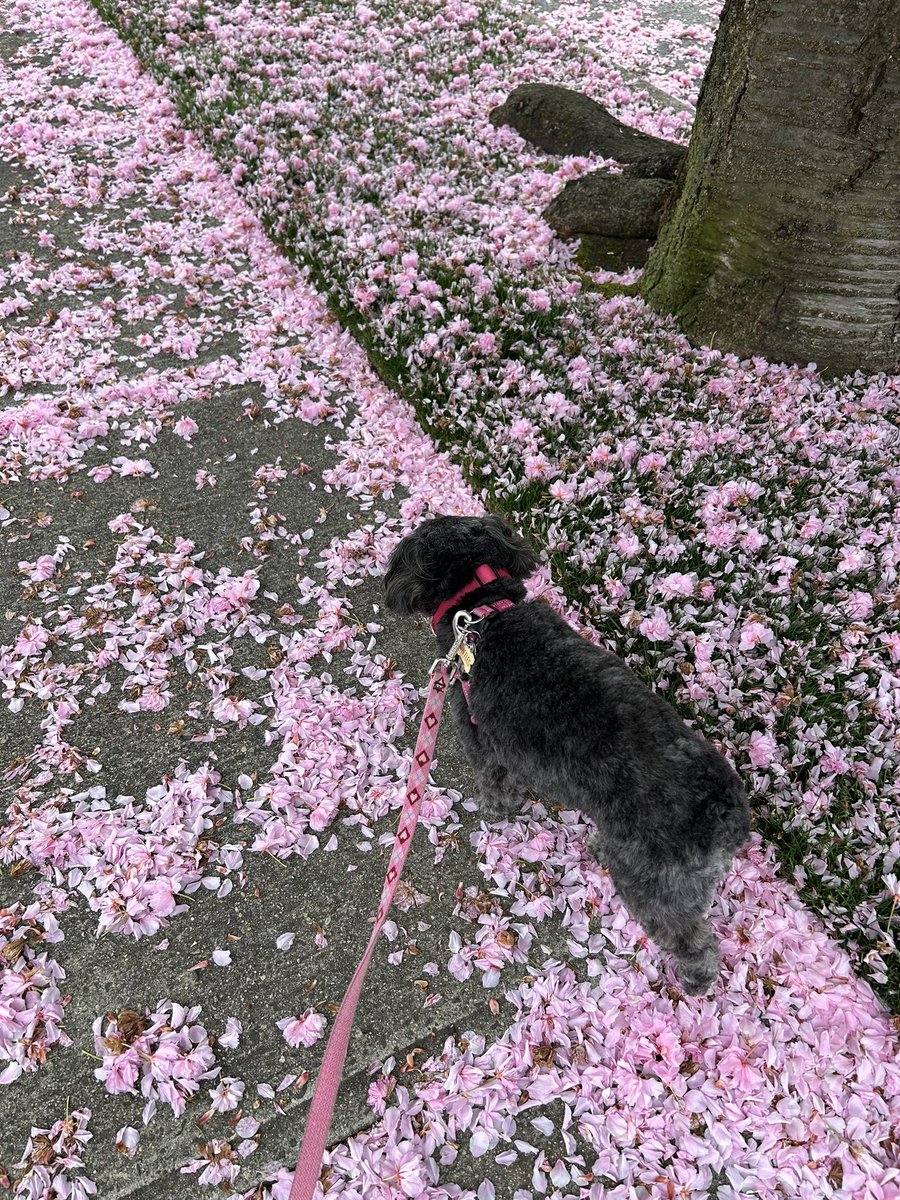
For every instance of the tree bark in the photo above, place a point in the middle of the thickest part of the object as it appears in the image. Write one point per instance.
(784, 239)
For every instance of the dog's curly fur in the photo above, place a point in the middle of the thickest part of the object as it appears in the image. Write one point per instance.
(558, 715)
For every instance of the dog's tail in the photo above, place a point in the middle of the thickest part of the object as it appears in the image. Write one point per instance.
(714, 800)
(730, 811)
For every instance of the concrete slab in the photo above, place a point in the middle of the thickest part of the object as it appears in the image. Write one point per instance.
(333, 894)
(664, 50)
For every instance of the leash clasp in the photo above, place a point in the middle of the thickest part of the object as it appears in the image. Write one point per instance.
(452, 668)
(458, 652)
(462, 621)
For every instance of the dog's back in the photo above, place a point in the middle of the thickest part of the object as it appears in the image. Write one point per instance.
(577, 725)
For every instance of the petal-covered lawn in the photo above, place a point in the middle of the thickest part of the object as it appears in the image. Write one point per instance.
(143, 304)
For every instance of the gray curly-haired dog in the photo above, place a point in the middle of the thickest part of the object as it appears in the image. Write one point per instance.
(550, 712)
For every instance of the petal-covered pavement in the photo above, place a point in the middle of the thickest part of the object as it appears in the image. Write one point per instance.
(206, 728)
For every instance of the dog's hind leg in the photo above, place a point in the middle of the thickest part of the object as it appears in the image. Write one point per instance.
(672, 906)
(688, 936)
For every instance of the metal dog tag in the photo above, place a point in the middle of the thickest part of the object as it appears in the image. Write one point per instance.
(461, 650)
(466, 656)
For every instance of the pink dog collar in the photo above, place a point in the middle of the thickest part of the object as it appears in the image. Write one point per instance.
(483, 575)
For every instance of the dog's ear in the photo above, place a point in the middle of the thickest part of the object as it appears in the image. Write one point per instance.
(508, 550)
(403, 579)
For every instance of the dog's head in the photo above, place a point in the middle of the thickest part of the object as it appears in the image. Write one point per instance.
(440, 557)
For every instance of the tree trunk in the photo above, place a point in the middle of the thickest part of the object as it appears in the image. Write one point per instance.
(784, 237)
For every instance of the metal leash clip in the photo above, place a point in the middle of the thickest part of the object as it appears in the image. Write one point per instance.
(460, 655)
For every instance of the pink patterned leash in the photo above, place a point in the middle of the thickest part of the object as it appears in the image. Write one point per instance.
(309, 1162)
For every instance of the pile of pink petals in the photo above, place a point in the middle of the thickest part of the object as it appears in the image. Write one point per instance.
(31, 1004)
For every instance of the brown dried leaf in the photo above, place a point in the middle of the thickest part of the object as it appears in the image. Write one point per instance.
(12, 950)
(42, 1151)
(131, 1024)
(544, 1054)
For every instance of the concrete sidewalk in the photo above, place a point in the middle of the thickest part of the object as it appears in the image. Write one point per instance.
(136, 750)
(663, 59)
